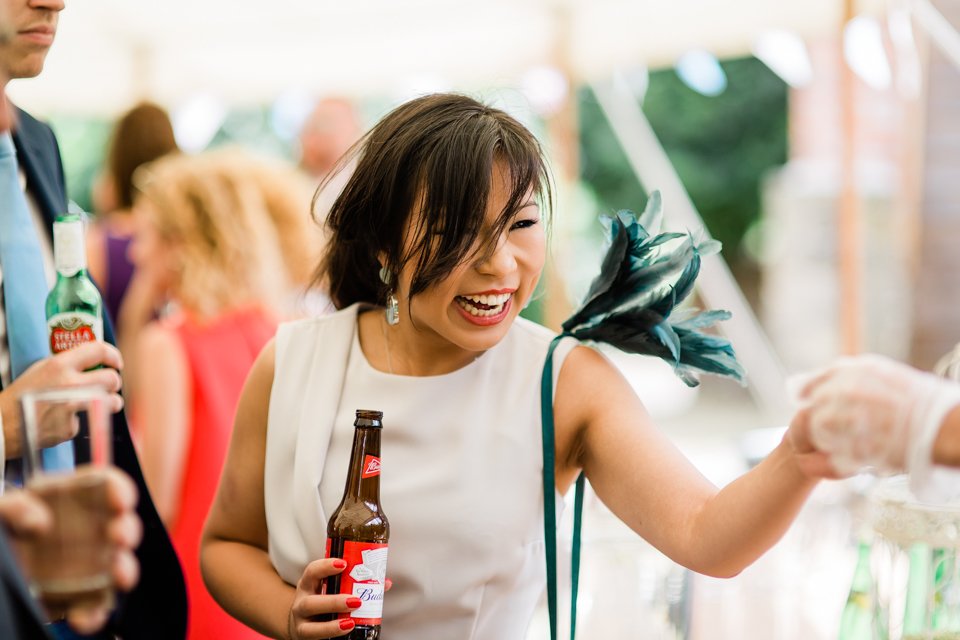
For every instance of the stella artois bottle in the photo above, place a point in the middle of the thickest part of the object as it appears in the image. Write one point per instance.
(358, 532)
(74, 306)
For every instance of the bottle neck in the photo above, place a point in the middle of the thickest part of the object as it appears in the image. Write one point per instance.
(68, 275)
(363, 477)
(69, 252)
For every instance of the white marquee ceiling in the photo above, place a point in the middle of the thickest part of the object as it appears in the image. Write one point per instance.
(111, 52)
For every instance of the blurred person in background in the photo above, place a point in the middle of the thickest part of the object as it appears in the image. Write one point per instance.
(142, 134)
(24, 518)
(288, 207)
(26, 273)
(327, 134)
(204, 242)
(873, 413)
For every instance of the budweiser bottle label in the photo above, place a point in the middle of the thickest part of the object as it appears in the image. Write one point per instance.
(364, 578)
(73, 328)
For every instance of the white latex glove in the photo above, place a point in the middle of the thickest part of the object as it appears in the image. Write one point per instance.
(871, 411)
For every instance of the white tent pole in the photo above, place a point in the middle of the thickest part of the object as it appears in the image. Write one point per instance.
(716, 284)
(564, 136)
(943, 34)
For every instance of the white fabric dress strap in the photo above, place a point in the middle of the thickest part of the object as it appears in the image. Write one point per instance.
(303, 406)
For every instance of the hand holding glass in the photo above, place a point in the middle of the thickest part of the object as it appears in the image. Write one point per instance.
(71, 564)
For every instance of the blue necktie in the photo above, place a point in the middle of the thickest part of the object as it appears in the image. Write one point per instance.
(24, 285)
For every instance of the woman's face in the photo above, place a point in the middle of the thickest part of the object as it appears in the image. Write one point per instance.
(474, 306)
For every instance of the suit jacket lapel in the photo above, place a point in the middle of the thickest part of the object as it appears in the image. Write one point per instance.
(42, 170)
(12, 583)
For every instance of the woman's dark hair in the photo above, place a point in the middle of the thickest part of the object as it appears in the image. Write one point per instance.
(434, 155)
(142, 135)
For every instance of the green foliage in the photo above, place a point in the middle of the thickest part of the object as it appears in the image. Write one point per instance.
(603, 164)
(83, 145)
(721, 146)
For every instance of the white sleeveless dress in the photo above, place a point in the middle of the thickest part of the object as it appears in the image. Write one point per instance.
(461, 481)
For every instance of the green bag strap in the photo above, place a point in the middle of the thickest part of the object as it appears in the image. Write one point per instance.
(550, 506)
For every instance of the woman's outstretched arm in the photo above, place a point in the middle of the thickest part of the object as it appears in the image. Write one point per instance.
(642, 477)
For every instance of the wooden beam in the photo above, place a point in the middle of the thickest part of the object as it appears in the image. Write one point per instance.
(849, 215)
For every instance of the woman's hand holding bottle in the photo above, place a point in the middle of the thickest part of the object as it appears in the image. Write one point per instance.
(309, 603)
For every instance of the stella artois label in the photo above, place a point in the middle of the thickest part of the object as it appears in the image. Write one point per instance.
(371, 467)
(72, 328)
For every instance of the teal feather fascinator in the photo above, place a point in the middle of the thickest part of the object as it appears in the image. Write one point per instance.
(632, 303)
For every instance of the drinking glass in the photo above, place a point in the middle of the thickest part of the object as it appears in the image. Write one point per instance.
(70, 565)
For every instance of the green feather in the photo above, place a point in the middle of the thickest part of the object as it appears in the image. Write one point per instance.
(643, 277)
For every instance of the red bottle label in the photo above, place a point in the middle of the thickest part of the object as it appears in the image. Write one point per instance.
(71, 329)
(364, 578)
(371, 467)
(63, 339)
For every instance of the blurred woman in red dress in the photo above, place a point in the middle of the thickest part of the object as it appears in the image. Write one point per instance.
(205, 247)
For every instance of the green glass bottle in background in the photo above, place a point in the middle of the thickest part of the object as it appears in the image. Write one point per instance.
(856, 622)
(74, 306)
(916, 611)
(944, 614)
(931, 611)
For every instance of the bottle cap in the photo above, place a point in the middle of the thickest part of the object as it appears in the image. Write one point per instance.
(69, 252)
(368, 418)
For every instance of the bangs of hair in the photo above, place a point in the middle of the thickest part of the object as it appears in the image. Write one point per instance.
(450, 224)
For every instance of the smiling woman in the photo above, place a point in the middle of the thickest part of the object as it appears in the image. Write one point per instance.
(441, 222)
(459, 242)
(470, 309)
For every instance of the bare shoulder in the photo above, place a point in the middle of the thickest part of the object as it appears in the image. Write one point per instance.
(250, 420)
(587, 368)
(158, 343)
(238, 513)
(244, 467)
(589, 386)
(254, 404)
(261, 374)
(588, 381)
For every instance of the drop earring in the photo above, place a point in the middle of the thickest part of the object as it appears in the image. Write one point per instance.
(392, 312)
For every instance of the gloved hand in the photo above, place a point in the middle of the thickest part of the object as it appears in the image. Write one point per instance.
(871, 411)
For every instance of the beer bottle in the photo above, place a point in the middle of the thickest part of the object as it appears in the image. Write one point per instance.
(856, 621)
(74, 307)
(358, 531)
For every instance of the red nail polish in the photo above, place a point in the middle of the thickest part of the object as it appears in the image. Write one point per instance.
(353, 603)
(346, 623)
(340, 564)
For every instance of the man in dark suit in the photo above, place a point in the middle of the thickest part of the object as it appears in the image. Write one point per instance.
(156, 608)
(20, 617)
